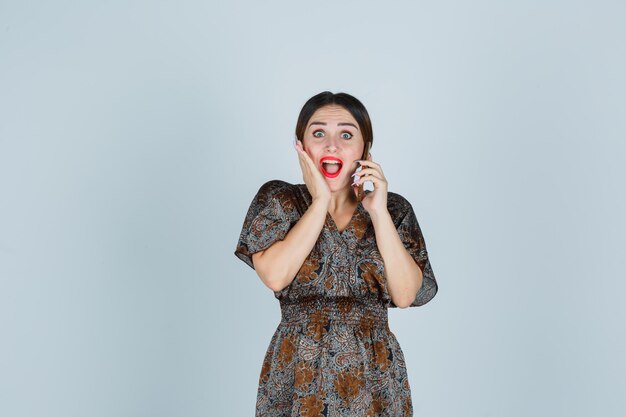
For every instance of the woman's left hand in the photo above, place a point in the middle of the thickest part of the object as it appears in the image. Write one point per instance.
(376, 201)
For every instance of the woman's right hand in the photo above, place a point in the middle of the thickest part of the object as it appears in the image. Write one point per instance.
(313, 178)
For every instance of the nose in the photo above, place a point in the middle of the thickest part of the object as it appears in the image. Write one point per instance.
(333, 143)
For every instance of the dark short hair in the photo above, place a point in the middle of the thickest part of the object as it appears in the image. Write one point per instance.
(348, 102)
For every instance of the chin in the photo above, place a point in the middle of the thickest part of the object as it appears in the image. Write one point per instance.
(335, 185)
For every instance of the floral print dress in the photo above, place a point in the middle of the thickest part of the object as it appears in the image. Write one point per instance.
(333, 353)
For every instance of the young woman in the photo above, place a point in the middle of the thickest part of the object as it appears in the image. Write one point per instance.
(336, 258)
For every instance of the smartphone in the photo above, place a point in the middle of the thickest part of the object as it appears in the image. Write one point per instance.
(360, 194)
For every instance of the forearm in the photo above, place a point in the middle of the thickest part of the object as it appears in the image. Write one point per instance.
(278, 265)
(404, 276)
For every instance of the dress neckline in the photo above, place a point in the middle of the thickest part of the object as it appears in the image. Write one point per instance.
(330, 222)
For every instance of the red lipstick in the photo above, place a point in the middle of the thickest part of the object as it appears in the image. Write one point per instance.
(331, 160)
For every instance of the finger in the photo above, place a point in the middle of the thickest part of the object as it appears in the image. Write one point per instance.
(371, 164)
(367, 162)
(371, 171)
(301, 158)
(368, 177)
(305, 160)
(358, 191)
(299, 148)
(378, 182)
(305, 155)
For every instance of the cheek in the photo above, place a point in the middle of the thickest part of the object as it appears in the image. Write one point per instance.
(310, 149)
(310, 152)
(358, 151)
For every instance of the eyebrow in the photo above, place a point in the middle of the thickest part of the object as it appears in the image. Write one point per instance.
(338, 124)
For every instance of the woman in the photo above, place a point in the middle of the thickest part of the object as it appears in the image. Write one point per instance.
(336, 258)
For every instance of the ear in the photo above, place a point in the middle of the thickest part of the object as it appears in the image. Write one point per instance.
(369, 156)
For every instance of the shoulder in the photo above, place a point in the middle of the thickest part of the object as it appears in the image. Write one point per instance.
(397, 203)
(277, 189)
(274, 186)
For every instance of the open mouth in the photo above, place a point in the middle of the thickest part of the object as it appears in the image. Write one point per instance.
(331, 166)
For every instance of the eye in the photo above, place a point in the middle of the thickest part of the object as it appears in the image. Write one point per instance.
(321, 134)
(346, 135)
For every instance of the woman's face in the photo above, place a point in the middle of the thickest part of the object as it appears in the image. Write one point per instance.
(334, 141)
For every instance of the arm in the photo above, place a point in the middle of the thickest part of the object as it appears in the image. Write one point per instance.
(278, 265)
(404, 276)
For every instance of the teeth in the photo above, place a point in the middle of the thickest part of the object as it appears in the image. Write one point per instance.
(331, 162)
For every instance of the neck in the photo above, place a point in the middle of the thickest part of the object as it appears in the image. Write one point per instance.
(341, 199)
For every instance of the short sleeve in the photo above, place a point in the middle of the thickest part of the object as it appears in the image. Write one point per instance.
(411, 235)
(269, 218)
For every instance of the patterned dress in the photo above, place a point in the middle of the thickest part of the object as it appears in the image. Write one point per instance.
(333, 353)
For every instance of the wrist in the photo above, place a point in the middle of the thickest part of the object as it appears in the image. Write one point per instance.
(322, 203)
(380, 216)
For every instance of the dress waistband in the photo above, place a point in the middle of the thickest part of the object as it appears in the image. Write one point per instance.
(364, 312)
